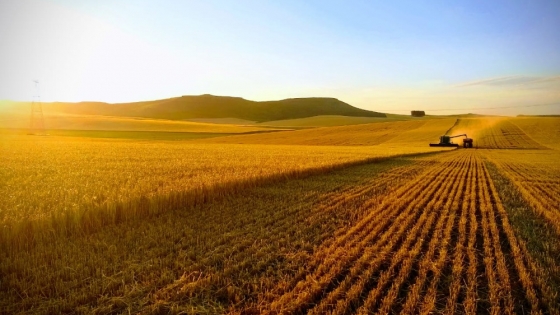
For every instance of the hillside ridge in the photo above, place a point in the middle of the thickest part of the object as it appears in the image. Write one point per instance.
(211, 106)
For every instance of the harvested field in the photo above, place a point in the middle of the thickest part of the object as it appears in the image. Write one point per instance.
(441, 243)
(545, 130)
(192, 228)
(495, 133)
(536, 175)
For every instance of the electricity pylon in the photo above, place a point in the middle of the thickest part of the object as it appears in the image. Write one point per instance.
(37, 121)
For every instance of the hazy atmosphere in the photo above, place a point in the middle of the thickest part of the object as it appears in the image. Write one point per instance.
(292, 157)
(376, 55)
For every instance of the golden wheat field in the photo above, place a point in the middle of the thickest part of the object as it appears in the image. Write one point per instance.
(54, 120)
(398, 133)
(111, 181)
(361, 219)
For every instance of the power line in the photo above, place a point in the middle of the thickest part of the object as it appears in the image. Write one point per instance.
(37, 121)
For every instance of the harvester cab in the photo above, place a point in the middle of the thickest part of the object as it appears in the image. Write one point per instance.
(445, 141)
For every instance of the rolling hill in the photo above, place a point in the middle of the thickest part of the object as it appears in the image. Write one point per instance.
(210, 106)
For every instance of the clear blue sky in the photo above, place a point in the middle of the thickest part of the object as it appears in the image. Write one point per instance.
(379, 55)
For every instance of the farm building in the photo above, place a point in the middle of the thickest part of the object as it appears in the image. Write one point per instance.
(417, 113)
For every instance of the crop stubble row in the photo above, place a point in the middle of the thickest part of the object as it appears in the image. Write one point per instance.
(441, 242)
(506, 135)
(495, 133)
(357, 243)
(326, 205)
(437, 241)
(538, 184)
(216, 256)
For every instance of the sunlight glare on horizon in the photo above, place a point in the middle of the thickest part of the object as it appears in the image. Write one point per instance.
(378, 56)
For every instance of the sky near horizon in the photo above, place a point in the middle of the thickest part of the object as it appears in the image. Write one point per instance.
(444, 57)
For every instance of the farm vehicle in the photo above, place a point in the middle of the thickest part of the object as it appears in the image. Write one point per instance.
(445, 141)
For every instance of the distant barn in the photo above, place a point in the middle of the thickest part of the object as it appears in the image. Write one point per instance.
(418, 113)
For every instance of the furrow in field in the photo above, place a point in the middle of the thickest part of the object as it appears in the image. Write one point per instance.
(487, 279)
(381, 297)
(501, 249)
(488, 258)
(365, 279)
(494, 284)
(546, 196)
(280, 220)
(350, 236)
(432, 269)
(545, 193)
(401, 193)
(435, 244)
(431, 264)
(520, 139)
(366, 276)
(471, 296)
(319, 204)
(532, 179)
(276, 225)
(542, 130)
(399, 266)
(496, 133)
(551, 191)
(386, 181)
(523, 269)
(457, 289)
(360, 276)
(545, 207)
(336, 259)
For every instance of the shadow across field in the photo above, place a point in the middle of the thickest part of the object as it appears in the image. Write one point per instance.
(224, 252)
(540, 238)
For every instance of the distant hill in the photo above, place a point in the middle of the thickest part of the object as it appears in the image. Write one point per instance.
(210, 106)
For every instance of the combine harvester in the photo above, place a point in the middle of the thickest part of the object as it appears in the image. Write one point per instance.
(445, 141)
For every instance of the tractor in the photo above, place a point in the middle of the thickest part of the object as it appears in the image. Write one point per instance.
(445, 141)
